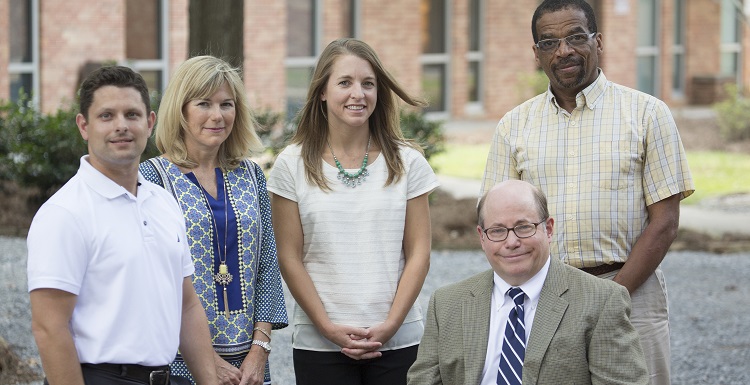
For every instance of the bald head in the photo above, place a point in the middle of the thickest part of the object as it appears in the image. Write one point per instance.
(514, 190)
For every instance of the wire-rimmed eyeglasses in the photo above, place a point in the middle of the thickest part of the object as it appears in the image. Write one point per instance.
(524, 230)
(574, 40)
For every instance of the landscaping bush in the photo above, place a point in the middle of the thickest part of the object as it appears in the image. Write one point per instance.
(733, 114)
(39, 150)
(429, 134)
(43, 150)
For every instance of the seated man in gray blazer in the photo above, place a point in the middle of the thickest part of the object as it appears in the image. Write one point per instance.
(531, 319)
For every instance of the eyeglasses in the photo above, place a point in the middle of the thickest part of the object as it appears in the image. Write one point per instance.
(524, 230)
(574, 40)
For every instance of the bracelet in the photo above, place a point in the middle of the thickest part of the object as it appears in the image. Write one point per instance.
(267, 334)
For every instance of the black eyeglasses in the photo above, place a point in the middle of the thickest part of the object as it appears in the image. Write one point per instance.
(524, 230)
(574, 40)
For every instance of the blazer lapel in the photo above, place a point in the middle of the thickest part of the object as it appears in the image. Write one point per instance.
(476, 321)
(549, 313)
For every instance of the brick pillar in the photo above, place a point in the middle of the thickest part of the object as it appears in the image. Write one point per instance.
(265, 50)
(71, 36)
(393, 29)
(177, 34)
(703, 41)
(618, 25)
(508, 53)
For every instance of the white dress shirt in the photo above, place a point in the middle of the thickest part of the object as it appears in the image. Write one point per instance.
(501, 306)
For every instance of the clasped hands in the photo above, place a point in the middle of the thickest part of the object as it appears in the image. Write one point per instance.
(360, 343)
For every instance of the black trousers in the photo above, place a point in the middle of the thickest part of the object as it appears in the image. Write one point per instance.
(94, 376)
(335, 368)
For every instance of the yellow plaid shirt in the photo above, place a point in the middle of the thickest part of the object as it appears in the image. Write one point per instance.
(599, 166)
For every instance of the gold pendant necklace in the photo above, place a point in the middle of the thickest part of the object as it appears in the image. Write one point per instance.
(223, 277)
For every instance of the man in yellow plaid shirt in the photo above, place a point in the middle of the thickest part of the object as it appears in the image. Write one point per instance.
(610, 161)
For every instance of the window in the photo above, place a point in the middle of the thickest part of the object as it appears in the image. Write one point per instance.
(23, 67)
(678, 50)
(435, 58)
(303, 42)
(647, 50)
(730, 38)
(475, 57)
(146, 39)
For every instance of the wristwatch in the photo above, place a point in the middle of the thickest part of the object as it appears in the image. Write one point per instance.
(263, 344)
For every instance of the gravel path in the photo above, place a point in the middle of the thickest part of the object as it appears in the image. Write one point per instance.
(709, 298)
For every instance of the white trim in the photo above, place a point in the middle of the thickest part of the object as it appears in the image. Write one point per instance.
(477, 107)
(165, 43)
(356, 13)
(31, 67)
(653, 50)
(161, 64)
(444, 59)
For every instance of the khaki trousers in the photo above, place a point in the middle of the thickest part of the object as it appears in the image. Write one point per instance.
(650, 316)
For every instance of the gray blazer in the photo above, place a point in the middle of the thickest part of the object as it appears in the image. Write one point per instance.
(581, 333)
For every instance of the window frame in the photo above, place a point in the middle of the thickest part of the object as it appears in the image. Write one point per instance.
(161, 65)
(32, 67)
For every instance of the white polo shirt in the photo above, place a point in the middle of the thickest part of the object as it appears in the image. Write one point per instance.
(124, 256)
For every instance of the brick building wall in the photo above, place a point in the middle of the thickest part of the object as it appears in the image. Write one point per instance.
(72, 34)
(393, 29)
(75, 32)
(177, 34)
(508, 54)
(263, 72)
(459, 69)
(703, 56)
(617, 23)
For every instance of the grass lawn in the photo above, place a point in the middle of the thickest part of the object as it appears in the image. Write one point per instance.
(714, 173)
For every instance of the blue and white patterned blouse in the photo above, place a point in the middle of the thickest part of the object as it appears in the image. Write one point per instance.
(256, 297)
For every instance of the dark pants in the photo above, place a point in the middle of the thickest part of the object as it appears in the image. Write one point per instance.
(334, 368)
(95, 376)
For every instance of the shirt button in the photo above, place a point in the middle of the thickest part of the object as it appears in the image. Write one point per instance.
(571, 217)
(145, 223)
(573, 124)
(571, 153)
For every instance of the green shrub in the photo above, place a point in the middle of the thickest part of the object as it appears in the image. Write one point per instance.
(41, 151)
(429, 134)
(733, 114)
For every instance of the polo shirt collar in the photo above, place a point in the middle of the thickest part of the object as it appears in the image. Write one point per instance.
(101, 183)
(589, 96)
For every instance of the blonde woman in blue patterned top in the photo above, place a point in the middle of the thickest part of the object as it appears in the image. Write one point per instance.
(205, 133)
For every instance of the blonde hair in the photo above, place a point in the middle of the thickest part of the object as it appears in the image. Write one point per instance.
(385, 122)
(198, 78)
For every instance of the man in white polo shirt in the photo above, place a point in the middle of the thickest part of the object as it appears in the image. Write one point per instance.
(109, 266)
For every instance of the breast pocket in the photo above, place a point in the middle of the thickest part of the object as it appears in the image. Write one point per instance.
(615, 164)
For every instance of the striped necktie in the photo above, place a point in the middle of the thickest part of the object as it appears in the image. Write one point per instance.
(514, 342)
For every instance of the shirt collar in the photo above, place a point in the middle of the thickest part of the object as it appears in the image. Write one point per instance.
(102, 184)
(532, 288)
(589, 96)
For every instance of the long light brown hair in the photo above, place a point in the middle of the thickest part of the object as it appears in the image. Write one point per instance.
(198, 78)
(384, 123)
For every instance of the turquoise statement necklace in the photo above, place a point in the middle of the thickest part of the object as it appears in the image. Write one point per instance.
(349, 179)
